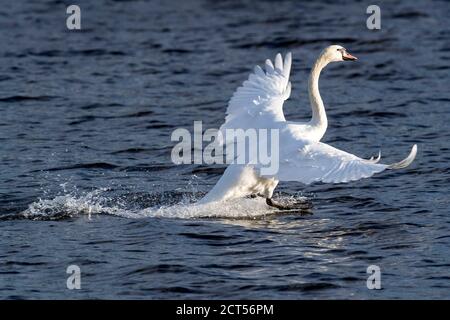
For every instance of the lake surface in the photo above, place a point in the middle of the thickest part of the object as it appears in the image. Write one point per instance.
(86, 177)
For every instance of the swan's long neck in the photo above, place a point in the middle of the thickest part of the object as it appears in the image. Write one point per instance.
(319, 116)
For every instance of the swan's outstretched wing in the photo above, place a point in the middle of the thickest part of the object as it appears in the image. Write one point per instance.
(317, 161)
(259, 101)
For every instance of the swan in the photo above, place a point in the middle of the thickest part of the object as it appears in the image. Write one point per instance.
(258, 103)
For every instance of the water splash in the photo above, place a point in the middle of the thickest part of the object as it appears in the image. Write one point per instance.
(236, 208)
(98, 202)
(69, 205)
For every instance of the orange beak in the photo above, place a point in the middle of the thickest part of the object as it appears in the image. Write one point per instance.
(348, 57)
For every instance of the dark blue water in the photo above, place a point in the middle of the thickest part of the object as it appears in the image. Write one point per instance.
(85, 170)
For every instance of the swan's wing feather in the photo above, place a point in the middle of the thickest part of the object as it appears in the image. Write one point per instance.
(259, 100)
(317, 161)
(287, 65)
(278, 62)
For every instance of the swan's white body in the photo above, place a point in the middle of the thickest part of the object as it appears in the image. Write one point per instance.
(258, 104)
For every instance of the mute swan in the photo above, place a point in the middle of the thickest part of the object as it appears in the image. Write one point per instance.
(258, 103)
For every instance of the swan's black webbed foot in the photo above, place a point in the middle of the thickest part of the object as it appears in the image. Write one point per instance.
(272, 203)
(300, 205)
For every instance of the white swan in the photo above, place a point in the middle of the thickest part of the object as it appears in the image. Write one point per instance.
(258, 103)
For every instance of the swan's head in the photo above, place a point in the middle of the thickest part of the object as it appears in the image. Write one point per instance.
(337, 53)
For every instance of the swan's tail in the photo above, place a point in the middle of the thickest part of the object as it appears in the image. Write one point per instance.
(405, 162)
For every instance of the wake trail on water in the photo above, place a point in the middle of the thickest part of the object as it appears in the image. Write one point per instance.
(98, 203)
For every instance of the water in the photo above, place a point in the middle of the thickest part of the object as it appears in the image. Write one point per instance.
(85, 169)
